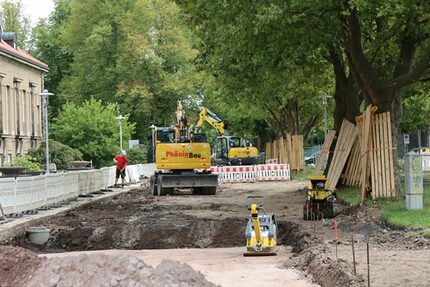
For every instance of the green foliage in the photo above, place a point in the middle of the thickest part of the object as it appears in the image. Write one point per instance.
(50, 50)
(254, 74)
(30, 163)
(93, 129)
(394, 210)
(136, 53)
(136, 155)
(59, 153)
(303, 174)
(350, 194)
(12, 19)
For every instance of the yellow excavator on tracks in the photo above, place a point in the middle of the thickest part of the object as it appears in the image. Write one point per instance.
(181, 161)
(227, 147)
(261, 230)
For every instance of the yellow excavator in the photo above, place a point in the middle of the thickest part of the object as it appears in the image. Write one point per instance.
(261, 230)
(229, 149)
(181, 161)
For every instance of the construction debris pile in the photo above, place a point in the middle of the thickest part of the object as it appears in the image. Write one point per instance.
(92, 270)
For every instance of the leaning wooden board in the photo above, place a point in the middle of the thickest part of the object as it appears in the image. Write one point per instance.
(347, 136)
(324, 152)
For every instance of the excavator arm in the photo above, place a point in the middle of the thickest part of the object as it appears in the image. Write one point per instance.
(206, 115)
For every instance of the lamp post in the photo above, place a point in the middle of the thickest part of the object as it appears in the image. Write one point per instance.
(120, 118)
(324, 98)
(45, 95)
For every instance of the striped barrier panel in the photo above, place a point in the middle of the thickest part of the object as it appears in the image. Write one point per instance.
(238, 174)
(272, 172)
(272, 161)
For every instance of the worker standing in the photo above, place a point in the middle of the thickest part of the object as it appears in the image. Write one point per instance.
(121, 162)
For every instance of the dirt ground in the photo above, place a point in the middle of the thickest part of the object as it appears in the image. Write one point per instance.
(137, 220)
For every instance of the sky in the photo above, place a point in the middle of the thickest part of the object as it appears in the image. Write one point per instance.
(37, 8)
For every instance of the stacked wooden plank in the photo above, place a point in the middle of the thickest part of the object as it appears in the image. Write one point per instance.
(381, 157)
(352, 172)
(370, 163)
(347, 136)
(324, 152)
(287, 150)
(269, 153)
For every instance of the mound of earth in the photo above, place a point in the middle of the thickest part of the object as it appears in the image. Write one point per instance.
(21, 267)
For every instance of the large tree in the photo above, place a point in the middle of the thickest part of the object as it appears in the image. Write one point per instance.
(248, 47)
(135, 52)
(12, 19)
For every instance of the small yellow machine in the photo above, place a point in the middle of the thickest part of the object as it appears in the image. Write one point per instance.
(319, 202)
(261, 231)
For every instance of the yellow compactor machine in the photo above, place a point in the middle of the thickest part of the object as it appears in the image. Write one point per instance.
(261, 230)
(319, 201)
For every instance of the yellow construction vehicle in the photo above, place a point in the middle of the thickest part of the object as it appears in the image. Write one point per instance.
(319, 202)
(181, 161)
(261, 231)
(229, 149)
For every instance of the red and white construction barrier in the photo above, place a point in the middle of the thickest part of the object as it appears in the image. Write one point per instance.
(252, 173)
(272, 161)
(244, 173)
(272, 172)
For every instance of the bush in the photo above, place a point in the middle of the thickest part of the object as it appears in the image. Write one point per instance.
(136, 155)
(59, 153)
(30, 163)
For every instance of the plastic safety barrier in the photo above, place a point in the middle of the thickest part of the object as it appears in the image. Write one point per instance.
(252, 173)
(238, 174)
(23, 194)
(273, 172)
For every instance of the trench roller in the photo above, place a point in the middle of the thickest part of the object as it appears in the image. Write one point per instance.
(261, 231)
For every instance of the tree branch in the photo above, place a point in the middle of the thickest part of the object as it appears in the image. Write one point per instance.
(363, 69)
(414, 75)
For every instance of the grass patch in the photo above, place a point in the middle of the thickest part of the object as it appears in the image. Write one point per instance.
(394, 210)
(396, 214)
(350, 194)
(303, 174)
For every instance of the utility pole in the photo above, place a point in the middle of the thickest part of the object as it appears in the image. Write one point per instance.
(324, 98)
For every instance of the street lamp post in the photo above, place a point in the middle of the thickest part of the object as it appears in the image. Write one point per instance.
(324, 98)
(120, 118)
(45, 94)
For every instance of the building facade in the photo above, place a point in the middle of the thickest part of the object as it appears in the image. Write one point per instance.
(21, 82)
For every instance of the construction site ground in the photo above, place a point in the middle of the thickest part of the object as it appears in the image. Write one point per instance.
(207, 233)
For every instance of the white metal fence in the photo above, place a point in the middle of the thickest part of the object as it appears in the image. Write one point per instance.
(23, 194)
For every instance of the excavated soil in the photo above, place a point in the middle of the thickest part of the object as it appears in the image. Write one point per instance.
(137, 220)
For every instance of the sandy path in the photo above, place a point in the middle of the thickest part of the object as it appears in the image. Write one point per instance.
(224, 266)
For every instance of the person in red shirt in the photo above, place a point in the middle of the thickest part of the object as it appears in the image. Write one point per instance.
(121, 161)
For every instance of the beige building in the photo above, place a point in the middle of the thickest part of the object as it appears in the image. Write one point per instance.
(21, 82)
